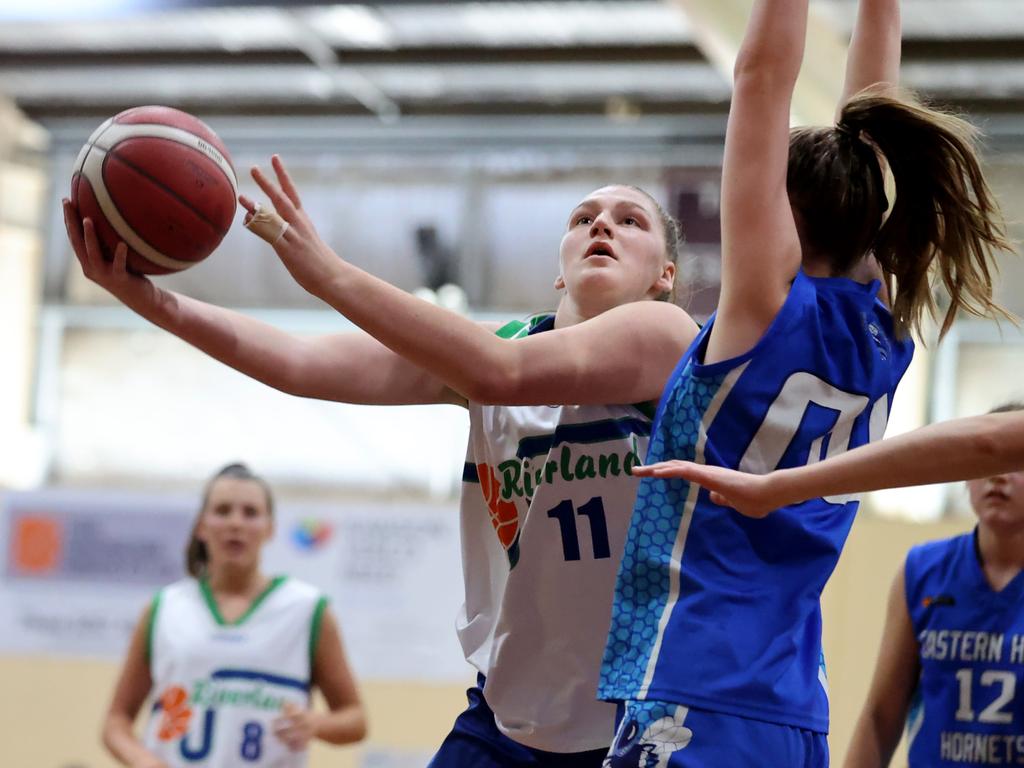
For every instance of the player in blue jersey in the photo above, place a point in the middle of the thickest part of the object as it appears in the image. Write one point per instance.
(951, 664)
(714, 651)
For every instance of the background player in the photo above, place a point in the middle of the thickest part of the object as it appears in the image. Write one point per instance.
(231, 654)
(951, 664)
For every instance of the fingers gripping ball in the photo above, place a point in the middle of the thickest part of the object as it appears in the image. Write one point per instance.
(162, 181)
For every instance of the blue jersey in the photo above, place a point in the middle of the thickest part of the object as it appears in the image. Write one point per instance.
(718, 611)
(969, 706)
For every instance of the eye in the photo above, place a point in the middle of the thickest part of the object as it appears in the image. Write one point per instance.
(583, 219)
(631, 221)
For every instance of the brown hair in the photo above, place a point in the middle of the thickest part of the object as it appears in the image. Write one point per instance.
(945, 218)
(1010, 407)
(674, 237)
(196, 556)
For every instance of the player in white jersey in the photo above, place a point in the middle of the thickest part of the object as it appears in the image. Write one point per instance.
(535, 614)
(230, 656)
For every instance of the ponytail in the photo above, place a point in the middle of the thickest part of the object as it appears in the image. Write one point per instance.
(945, 218)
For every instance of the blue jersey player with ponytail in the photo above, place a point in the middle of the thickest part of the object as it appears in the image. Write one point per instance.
(714, 652)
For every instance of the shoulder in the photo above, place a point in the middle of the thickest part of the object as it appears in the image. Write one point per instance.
(659, 317)
(187, 587)
(930, 557)
(300, 591)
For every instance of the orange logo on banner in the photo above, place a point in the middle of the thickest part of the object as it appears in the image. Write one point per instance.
(37, 544)
(174, 723)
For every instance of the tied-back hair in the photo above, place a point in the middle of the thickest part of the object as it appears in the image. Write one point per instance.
(197, 558)
(1010, 407)
(674, 237)
(944, 220)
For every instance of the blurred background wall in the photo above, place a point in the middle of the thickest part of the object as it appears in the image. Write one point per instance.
(432, 142)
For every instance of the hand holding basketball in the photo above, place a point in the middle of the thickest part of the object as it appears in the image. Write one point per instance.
(132, 290)
(289, 229)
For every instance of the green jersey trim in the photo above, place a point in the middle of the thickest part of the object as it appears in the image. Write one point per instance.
(517, 329)
(314, 630)
(151, 626)
(211, 602)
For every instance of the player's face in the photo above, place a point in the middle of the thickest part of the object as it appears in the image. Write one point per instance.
(236, 522)
(613, 250)
(999, 501)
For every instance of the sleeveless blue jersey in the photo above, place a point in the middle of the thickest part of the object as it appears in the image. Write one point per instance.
(718, 611)
(969, 706)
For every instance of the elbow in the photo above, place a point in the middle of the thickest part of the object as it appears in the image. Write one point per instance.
(360, 729)
(498, 382)
(765, 67)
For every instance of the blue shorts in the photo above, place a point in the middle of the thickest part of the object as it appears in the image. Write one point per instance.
(476, 742)
(653, 734)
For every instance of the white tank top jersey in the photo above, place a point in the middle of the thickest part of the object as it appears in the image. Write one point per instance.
(218, 686)
(546, 502)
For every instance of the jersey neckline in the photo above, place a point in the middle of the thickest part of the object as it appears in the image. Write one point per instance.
(211, 601)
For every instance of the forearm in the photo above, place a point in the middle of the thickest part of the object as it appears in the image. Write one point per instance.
(874, 740)
(121, 742)
(875, 48)
(342, 726)
(464, 355)
(773, 45)
(961, 449)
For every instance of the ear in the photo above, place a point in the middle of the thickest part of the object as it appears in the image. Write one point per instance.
(200, 530)
(559, 283)
(667, 279)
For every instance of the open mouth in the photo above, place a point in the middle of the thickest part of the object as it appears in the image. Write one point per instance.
(600, 248)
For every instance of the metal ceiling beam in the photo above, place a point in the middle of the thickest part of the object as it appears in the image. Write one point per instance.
(718, 26)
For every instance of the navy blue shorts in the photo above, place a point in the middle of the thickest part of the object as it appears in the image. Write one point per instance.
(665, 735)
(476, 742)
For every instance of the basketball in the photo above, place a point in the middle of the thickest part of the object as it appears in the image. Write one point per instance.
(160, 180)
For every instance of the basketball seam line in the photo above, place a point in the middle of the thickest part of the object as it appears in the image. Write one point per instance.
(111, 153)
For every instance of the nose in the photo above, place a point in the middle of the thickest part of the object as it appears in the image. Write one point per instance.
(601, 227)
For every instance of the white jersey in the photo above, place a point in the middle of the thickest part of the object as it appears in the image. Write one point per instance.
(219, 686)
(546, 502)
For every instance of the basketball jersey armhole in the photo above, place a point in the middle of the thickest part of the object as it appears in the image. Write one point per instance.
(154, 606)
(314, 631)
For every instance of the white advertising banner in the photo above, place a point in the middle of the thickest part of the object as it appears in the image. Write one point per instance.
(78, 567)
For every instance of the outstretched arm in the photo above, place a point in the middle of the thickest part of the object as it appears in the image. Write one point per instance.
(961, 449)
(875, 47)
(760, 245)
(624, 355)
(350, 367)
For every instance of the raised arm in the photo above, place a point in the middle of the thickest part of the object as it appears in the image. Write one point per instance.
(760, 245)
(961, 449)
(875, 47)
(350, 367)
(624, 355)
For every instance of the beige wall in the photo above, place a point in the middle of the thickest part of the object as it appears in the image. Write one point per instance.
(52, 707)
